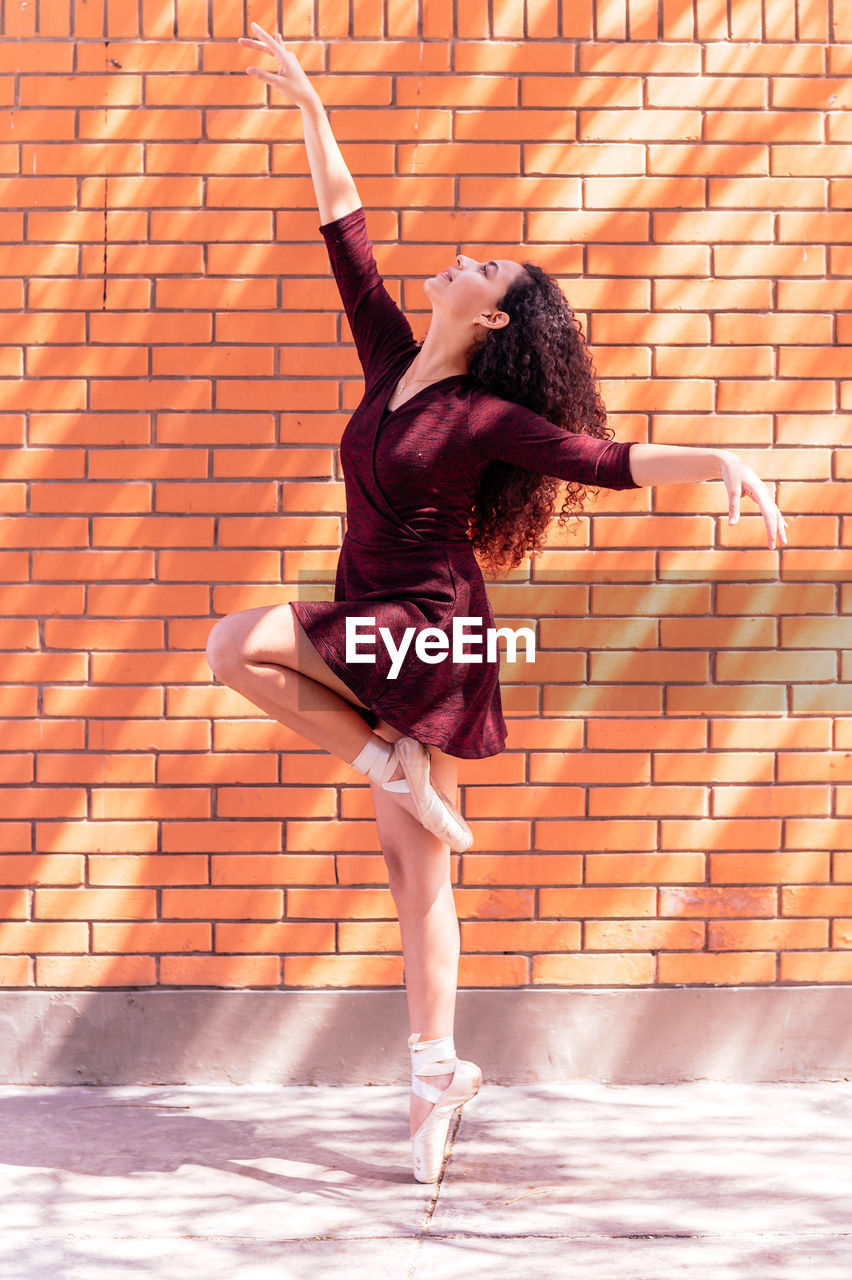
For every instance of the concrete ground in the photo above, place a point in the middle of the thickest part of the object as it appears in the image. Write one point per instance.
(640, 1182)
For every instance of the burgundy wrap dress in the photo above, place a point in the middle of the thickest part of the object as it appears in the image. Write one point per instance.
(411, 478)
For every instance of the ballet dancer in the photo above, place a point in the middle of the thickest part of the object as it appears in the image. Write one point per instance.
(460, 443)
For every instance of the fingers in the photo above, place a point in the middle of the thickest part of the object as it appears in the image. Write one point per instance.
(266, 45)
(734, 503)
(782, 525)
(780, 528)
(266, 39)
(776, 525)
(768, 510)
(772, 528)
(737, 484)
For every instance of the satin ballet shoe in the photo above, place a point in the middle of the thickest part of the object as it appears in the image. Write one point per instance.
(433, 809)
(436, 1058)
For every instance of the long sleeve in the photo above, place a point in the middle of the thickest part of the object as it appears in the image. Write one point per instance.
(500, 429)
(380, 330)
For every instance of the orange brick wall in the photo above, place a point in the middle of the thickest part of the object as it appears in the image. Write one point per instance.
(674, 805)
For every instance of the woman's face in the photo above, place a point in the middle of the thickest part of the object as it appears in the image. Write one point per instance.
(471, 289)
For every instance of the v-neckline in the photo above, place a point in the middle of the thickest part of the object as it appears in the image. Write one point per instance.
(386, 412)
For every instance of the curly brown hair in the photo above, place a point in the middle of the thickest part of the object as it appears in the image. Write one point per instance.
(541, 360)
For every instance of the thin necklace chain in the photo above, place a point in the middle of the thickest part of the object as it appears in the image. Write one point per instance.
(418, 380)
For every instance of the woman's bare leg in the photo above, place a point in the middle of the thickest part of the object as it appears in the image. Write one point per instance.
(419, 879)
(265, 655)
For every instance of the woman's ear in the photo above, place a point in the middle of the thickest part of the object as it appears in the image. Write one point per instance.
(498, 320)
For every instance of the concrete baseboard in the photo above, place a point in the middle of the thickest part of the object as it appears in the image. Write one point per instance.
(359, 1036)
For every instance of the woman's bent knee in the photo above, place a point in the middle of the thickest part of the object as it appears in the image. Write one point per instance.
(265, 634)
(224, 651)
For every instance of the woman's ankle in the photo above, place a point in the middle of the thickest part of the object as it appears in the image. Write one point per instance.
(375, 759)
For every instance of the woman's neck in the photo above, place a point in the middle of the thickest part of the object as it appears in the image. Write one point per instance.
(434, 361)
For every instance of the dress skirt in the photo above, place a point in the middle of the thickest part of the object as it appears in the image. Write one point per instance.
(451, 704)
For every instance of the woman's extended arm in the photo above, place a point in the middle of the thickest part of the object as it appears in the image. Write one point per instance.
(333, 183)
(675, 463)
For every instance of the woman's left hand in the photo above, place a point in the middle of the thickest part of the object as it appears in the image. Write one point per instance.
(740, 479)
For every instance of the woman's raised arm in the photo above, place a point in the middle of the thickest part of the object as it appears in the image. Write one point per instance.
(333, 183)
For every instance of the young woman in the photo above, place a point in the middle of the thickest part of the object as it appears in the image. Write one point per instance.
(459, 443)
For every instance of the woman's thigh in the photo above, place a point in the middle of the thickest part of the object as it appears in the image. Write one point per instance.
(274, 634)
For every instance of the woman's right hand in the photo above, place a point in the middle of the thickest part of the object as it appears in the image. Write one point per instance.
(290, 77)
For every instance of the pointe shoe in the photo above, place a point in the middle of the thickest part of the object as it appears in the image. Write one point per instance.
(433, 809)
(436, 1058)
